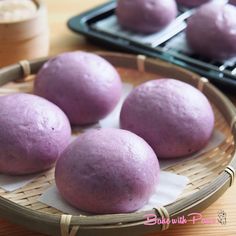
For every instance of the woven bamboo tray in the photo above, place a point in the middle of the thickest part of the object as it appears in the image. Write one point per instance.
(210, 174)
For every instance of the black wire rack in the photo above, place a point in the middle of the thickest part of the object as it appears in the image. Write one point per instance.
(89, 23)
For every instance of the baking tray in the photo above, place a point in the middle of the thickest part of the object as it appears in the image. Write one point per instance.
(222, 74)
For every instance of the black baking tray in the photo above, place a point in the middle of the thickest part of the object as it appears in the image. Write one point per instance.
(223, 74)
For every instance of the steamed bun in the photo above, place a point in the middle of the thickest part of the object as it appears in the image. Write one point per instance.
(211, 31)
(85, 86)
(107, 171)
(33, 133)
(173, 117)
(147, 16)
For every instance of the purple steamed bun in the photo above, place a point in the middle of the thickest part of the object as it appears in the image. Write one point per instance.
(85, 86)
(147, 16)
(211, 31)
(33, 133)
(107, 171)
(192, 3)
(232, 2)
(173, 117)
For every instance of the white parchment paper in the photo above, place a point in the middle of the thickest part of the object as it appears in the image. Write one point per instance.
(112, 120)
(111, 26)
(12, 183)
(162, 196)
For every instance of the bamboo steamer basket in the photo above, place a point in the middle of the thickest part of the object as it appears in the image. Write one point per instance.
(25, 39)
(210, 175)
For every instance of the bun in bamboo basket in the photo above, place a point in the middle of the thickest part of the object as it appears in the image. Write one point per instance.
(211, 174)
(24, 38)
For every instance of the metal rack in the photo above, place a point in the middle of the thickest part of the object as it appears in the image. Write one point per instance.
(221, 73)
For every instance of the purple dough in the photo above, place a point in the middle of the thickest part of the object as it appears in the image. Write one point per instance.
(107, 171)
(192, 3)
(85, 86)
(173, 117)
(33, 133)
(211, 31)
(147, 16)
(232, 2)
